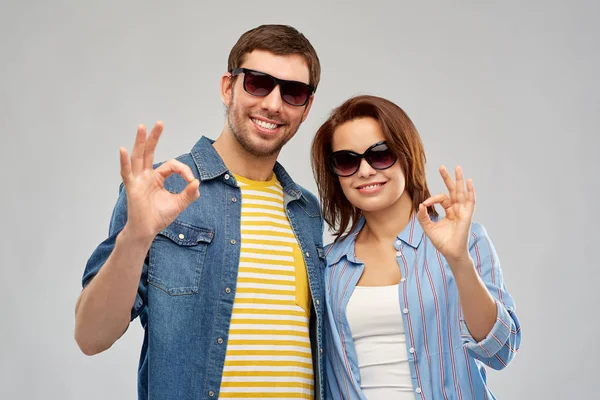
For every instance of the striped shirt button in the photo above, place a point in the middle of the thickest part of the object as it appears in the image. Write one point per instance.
(412, 350)
(403, 280)
(398, 243)
(398, 254)
(418, 390)
(405, 311)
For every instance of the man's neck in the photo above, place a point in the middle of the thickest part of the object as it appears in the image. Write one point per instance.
(240, 162)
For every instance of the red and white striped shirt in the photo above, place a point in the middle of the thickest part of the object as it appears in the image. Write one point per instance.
(445, 361)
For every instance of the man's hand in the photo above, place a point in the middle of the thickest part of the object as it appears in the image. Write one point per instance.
(150, 207)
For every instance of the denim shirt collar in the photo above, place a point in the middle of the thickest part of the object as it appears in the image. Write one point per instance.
(412, 235)
(209, 163)
(210, 166)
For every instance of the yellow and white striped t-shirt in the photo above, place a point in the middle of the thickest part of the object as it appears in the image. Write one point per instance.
(268, 351)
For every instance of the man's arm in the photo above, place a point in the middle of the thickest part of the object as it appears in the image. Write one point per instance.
(103, 310)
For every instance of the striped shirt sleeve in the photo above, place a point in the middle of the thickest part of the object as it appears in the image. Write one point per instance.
(502, 343)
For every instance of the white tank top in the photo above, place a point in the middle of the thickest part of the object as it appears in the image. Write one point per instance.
(375, 320)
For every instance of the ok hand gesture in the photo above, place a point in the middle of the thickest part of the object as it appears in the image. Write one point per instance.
(150, 207)
(450, 235)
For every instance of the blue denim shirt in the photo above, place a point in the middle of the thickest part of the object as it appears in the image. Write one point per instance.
(188, 282)
(445, 361)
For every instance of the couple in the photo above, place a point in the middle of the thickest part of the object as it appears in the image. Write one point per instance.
(220, 255)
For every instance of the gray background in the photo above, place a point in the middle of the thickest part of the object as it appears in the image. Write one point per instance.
(507, 89)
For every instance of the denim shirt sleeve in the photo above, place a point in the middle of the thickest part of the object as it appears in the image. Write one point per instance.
(500, 346)
(104, 249)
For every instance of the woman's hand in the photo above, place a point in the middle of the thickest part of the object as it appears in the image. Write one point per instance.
(450, 235)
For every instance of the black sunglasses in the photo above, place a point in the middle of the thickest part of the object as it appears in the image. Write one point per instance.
(261, 84)
(345, 162)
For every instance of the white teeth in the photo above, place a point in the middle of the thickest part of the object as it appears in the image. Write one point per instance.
(264, 124)
(371, 186)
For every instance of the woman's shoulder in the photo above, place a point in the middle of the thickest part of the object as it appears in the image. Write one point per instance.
(339, 247)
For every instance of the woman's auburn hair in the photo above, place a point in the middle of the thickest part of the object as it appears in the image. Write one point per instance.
(401, 137)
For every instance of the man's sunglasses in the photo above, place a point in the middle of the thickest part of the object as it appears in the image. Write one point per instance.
(260, 84)
(345, 162)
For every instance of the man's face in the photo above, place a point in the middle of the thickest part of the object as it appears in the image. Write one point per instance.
(262, 125)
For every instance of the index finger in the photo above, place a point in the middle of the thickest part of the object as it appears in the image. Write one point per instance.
(177, 167)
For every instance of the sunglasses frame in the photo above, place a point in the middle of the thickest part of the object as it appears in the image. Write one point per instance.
(360, 158)
(280, 82)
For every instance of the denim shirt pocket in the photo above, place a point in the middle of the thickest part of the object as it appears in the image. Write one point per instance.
(177, 258)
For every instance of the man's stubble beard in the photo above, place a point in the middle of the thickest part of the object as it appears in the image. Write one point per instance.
(236, 123)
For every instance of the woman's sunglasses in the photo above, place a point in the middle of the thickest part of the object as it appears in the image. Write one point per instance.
(345, 162)
(260, 84)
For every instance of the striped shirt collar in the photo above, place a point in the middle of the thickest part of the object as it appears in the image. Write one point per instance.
(412, 235)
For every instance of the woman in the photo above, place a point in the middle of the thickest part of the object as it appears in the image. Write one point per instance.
(416, 304)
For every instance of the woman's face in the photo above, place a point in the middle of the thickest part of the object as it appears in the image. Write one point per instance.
(368, 189)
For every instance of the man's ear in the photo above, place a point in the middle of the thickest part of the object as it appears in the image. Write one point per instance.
(227, 88)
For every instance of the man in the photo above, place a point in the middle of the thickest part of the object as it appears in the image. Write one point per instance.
(219, 252)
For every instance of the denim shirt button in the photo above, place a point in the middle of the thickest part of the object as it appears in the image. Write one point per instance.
(233, 199)
(227, 290)
(307, 254)
(318, 302)
(185, 267)
(181, 236)
(211, 393)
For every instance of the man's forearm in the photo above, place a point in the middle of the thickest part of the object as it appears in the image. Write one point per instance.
(103, 309)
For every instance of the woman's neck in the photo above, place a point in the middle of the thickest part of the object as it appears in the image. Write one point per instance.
(383, 226)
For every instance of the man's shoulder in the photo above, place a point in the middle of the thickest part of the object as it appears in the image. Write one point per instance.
(308, 195)
(185, 158)
(309, 202)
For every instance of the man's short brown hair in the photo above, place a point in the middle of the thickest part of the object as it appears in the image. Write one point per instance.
(279, 40)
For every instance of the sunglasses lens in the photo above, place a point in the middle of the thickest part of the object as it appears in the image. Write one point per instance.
(258, 84)
(380, 157)
(344, 163)
(295, 93)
